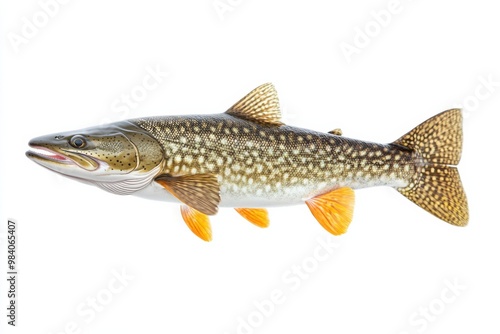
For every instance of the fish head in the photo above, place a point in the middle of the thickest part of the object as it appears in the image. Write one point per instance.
(119, 157)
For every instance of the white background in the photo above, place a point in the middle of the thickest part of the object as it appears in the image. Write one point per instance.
(396, 260)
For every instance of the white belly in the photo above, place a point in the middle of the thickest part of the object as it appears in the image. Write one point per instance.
(234, 199)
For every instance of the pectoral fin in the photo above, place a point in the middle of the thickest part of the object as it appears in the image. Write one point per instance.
(333, 210)
(197, 222)
(258, 217)
(200, 191)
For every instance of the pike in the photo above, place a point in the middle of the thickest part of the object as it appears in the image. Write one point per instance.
(247, 159)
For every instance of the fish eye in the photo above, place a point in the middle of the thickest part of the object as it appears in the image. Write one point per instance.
(78, 142)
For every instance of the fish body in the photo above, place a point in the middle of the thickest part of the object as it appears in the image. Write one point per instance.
(246, 158)
(258, 165)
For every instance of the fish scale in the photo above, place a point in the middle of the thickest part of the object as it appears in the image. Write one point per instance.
(246, 158)
(269, 165)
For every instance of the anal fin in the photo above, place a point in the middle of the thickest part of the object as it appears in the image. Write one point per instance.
(197, 222)
(258, 217)
(333, 210)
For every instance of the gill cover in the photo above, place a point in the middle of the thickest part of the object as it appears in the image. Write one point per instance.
(116, 154)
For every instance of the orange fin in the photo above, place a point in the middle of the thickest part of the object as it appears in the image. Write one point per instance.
(333, 210)
(197, 222)
(199, 191)
(258, 217)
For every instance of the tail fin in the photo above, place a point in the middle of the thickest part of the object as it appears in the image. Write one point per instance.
(436, 185)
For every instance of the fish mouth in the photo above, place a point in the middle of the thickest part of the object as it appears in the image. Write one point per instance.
(40, 153)
(48, 157)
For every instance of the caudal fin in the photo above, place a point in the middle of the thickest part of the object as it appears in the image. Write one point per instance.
(436, 185)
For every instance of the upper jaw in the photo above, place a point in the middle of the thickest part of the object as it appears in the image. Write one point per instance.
(48, 148)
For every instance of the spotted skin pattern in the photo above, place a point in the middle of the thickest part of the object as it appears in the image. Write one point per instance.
(273, 164)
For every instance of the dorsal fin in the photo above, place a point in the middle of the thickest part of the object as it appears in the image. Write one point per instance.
(261, 105)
